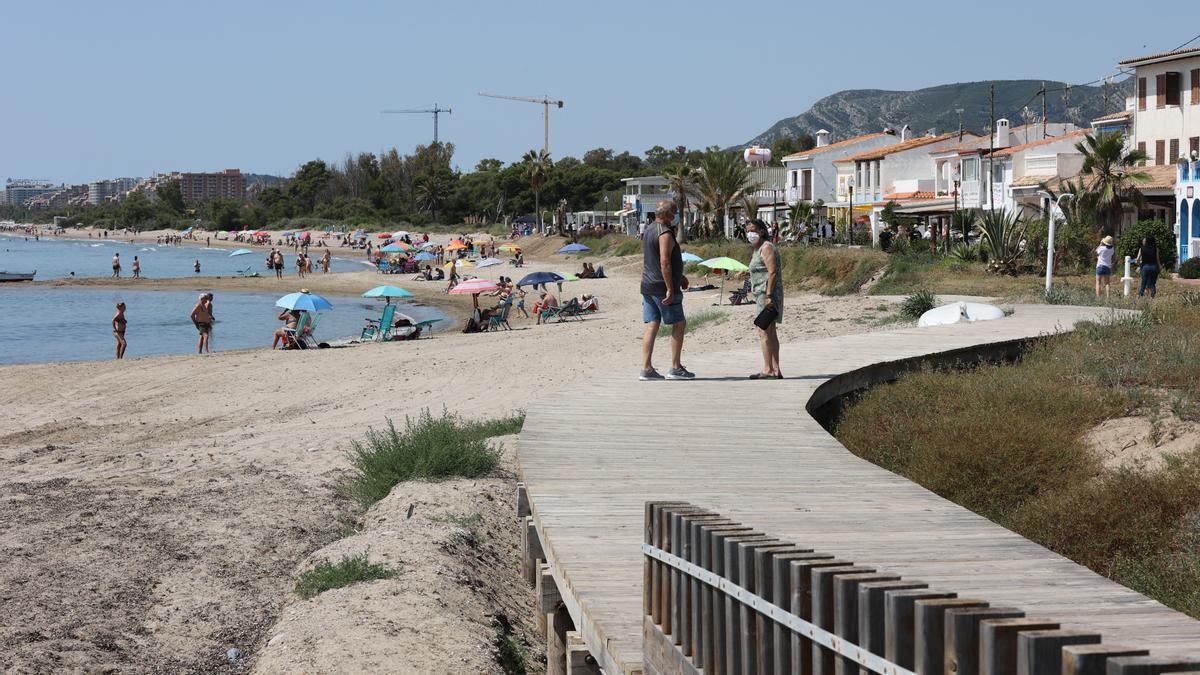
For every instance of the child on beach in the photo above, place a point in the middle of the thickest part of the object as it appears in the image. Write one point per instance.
(521, 302)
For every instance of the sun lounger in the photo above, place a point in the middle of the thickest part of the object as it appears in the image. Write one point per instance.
(496, 321)
(301, 337)
(372, 330)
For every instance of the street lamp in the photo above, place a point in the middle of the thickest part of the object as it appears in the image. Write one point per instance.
(775, 207)
(850, 218)
(606, 212)
(1050, 234)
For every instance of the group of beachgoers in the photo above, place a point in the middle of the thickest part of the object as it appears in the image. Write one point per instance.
(508, 293)
(201, 316)
(135, 267)
(304, 263)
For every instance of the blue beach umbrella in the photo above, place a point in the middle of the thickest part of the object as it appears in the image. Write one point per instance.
(392, 248)
(573, 248)
(305, 302)
(240, 251)
(425, 256)
(691, 257)
(388, 292)
(540, 278)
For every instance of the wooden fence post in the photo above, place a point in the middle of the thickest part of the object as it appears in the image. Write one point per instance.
(749, 621)
(701, 606)
(872, 614)
(899, 634)
(800, 572)
(1093, 659)
(823, 611)
(1151, 665)
(765, 588)
(558, 624)
(929, 620)
(533, 553)
(732, 640)
(1039, 652)
(785, 639)
(579, 659)
(962, 636)
(523, 508)
(998, 643)
(713, 647)
(846, 617)
(547, 594)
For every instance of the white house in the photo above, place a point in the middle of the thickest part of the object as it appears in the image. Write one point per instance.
(1166, 104)
(811, 174)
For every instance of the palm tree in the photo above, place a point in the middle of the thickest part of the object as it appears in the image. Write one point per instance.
(721, 180)
(537, 167)
(431, 191)
(799, 214)
(1110, 177)
(679, 180)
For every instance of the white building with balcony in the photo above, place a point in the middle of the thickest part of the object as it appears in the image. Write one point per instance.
(1166, 105)
(812, 174)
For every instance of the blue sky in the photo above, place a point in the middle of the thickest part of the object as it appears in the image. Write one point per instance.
(103, 89)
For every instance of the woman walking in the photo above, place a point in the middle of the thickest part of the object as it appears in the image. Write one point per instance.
(1147, 258)
(1104, 265)
(118, 325)
(767, 287)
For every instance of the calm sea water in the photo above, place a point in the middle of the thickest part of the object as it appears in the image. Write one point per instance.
(55, 258)
(40, 324)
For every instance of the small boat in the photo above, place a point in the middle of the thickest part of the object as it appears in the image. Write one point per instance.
(17, 276)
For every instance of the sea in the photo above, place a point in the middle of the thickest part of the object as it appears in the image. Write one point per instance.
(40, 324)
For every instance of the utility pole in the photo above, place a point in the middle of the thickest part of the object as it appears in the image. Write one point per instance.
(545, 102)
(435, 110)
(1044, 110)
(991, 143)
(960, 126)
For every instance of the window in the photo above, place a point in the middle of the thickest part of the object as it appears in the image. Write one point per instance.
(1141, 93)
(876, 181)
(1142, 149)
(1160, 152)
(793, 177)
(1174, 83)
(1174, 150)
(970, 170)
(1194, 143)
(806, 185)
(1160, 90)
(1196, 86)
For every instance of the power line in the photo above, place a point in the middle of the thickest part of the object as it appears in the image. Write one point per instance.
(1186, 43)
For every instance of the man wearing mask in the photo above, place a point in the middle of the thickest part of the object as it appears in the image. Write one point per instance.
(662, 288)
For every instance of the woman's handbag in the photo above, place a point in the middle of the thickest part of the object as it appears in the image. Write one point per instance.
(766, 317)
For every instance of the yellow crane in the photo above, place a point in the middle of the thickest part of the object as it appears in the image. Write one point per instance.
(545, 102)
(436, 110)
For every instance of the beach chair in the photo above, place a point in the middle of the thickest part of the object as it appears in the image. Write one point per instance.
(377, 329)
(739, 297)
(295, 338)
(305, 339)
(495, 322)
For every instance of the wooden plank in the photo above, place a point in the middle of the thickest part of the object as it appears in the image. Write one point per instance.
(846, 616)
(1039, 652)
(701, 606)
(800, 572)
(713, 601)
(523, 509)
(998, 643)
(579, 659)
(783, 595)
(546, 591)
(733, 638)
(532, 549)
(900, 626)
(1151, 665)
(1093, 659)
(823, 610)
(558, 624)
(962, 636)
(872, 614)
(929, 619)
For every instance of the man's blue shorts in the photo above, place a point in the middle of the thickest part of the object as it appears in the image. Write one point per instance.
(653, 310)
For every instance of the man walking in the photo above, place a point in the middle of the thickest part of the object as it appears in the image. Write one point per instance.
(662, 292)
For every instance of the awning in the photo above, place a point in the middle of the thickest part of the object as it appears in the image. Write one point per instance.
(624, 212)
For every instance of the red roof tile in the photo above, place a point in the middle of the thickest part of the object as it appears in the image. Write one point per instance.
(832, 146)
(880, 153)
(1174, 54)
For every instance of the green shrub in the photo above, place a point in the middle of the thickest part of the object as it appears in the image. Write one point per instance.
(429, 448)
(918, 303)
(1190, 269)
(1163, 235)
(327, 576)
(967, 253)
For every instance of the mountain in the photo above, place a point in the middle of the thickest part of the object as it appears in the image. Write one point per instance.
(860, 111)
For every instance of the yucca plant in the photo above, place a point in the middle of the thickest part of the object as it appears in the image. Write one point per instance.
(1001, 232)
(967, 253)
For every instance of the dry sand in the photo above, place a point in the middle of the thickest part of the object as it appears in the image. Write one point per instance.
(155, 512)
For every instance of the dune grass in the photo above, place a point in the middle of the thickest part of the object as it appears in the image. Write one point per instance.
(428, 448)
(828, 269)
(349, 570)
(697, 321)
(1007, 441)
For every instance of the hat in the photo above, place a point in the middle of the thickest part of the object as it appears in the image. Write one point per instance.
(1107, 241)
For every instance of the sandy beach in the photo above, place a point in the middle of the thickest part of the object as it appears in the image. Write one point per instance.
(156, 511)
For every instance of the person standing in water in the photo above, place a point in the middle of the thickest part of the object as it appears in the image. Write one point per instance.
(137, 268)
(325, 260)
(118, 326)
(196, 266)
(116, 265)
(202, 318)
(277, 263)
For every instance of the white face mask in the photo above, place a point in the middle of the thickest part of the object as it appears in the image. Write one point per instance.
(752, 237)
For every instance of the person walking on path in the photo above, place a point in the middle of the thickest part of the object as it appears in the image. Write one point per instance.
(767, 287)
(1147, 258)
(662, 289)
(116, 264)
(1104, 266)
(118, 325)
(202, 318)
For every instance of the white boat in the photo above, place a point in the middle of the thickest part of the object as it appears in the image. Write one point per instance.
(17, 276)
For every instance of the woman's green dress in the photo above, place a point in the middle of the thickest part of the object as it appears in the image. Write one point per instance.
(758, 281)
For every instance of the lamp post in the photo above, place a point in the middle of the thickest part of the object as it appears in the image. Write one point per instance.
(956, 178)
(606, 211)
(1050, 234)
(775, 207)
(850, 217)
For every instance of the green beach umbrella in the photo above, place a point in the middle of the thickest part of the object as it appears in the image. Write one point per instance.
(727, 264)
(387, 292)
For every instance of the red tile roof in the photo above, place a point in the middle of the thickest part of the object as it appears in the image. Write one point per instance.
(1174, 54)
(832, 146)
(909, 195)
(880, 153)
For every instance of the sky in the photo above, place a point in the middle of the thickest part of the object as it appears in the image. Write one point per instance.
(95, 90)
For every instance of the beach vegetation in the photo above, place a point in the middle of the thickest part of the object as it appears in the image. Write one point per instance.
(428, 448)
(511, 655)
(970, 437)
(1159, 232)
(917, 303)
(1110, 176)
(326, 576)
(697, 321)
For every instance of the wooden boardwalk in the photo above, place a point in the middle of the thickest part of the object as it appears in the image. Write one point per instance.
(591, 456)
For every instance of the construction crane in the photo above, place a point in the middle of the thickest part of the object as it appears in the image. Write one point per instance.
(435, 110)
(545, 102)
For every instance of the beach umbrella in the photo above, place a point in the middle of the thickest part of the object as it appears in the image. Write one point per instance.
(260, 233)
(305, 236)
(536, 278)
(727, 264)
(573, 248)
(387, 292)
(361, 235)
(691, 257)
(187, 229)
(397, 235)
(240, 251)
(474, 287)
(384, 235)
(425, 256)
(459, 263)
(509, 248)
(428, 244)
(456, 245)
(488, 262)
(304, 301)
(392, 248)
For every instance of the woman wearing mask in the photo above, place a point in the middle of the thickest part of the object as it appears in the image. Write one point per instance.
(767, 287)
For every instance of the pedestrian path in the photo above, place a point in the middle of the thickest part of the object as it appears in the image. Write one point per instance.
(592, 456)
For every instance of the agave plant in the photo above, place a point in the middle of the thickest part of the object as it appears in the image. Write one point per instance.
(1001, 232)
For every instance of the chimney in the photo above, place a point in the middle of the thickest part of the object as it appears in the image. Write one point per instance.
(1003, 137)
(822, 138)
(905, 133)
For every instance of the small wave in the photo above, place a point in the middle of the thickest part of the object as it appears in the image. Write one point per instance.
(97, 245)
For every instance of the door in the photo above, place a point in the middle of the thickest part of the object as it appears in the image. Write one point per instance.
(1183, 229)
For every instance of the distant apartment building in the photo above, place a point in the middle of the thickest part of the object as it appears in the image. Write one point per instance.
(103, 191)
(1166, 105)
(203, 187)
(22, 190)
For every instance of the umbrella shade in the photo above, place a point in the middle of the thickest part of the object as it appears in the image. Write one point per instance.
(406, 247)
(509, 247)
(428, 244)
(387, 292)
(474, 287)
(305, 235)
(540, 278)
(424, 256)
(392, 248)
(261, 233)
(459, 263)
(384, 235)
(724, 263)
(240, 251)
(691, 258)
(456, 245)
(488, 262)
(361, 235)
(306, 302)
(573, 248)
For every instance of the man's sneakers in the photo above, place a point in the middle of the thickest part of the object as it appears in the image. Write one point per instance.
(680, 373)
(650, 374)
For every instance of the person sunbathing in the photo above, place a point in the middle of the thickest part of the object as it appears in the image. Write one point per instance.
(291, 319)
(547, 303)
(589, 303)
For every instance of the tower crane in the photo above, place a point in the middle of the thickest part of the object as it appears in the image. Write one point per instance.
(435, 110)
(545, 102)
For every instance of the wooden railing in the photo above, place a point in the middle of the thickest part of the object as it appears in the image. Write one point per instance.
(722, 598)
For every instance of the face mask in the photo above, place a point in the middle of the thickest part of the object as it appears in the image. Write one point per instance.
(752, 237)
